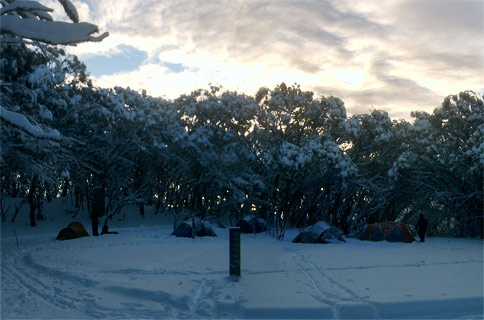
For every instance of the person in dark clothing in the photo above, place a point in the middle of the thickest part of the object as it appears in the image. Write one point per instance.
(106, 230)
(421, 226)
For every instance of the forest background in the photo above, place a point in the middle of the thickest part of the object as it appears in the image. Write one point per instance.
(285, 154)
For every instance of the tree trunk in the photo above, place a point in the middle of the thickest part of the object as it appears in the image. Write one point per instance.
(1, 210)
(193, 225)
(197, 204)
(15, 189)
(65, 189)
(95, 224)
(141, 206)
(98, 207)
(39, 203)
(77, 193)
(31, 200)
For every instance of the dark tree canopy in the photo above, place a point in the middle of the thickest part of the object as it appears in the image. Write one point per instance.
(285, 154)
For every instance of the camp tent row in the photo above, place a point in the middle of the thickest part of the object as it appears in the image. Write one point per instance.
(249, 224)
(252, 224)
(389, 231)
(320, 232)
(185, 229)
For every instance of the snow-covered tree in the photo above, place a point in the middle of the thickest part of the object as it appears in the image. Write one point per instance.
(153, 121)
(112, 144)
(35, 81)
(373, 143)
(34, 89)
(300, 160)
(442, 167)
(212, 157)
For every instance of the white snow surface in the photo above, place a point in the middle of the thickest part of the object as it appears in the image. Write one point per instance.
(144, 272)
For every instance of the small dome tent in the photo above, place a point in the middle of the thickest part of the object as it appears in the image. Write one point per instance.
(320, 232)
(202, 229)
(73, 231)
(79, 229)
(252, 224)
(215, 222)
(389, 231)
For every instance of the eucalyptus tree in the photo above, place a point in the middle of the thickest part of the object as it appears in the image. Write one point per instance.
(460, 127)
(443, 166)
(32, 75)
(154, 123)
(373, 142)
(213, 172)
(299, 158)
(38, 84)
(115, 142)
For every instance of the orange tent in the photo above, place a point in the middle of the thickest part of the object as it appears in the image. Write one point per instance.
(389, 231)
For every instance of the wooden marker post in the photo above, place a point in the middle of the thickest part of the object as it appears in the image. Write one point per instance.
(234, 253)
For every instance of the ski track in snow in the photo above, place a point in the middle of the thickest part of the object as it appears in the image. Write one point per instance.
(66, 291)
(83, 294)
(202, 301)
(338, 294)
(37, 282)
(50, 285)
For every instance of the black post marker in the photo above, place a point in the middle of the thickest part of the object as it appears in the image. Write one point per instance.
(234, 253)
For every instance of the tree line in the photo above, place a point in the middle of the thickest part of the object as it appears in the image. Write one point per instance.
(285, 154)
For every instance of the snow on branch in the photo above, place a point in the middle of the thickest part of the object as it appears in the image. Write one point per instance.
(70, 10)
(24, 6)
(42, 15)
(52, 32)
(21, 122)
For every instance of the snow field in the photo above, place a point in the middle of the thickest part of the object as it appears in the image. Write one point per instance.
(144, 272)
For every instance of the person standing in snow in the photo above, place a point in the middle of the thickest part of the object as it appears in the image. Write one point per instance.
(421, 226)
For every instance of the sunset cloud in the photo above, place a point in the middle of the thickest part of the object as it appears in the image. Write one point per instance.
(398, 56)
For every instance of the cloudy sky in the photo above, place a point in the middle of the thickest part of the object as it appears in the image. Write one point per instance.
(398, 56)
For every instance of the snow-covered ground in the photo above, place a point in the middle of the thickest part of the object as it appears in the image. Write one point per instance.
(144, 272)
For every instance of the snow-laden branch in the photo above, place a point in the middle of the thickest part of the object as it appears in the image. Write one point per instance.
(71, 10)
(20, 121)
(42, 15)
(24, 6)
(52, 32)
